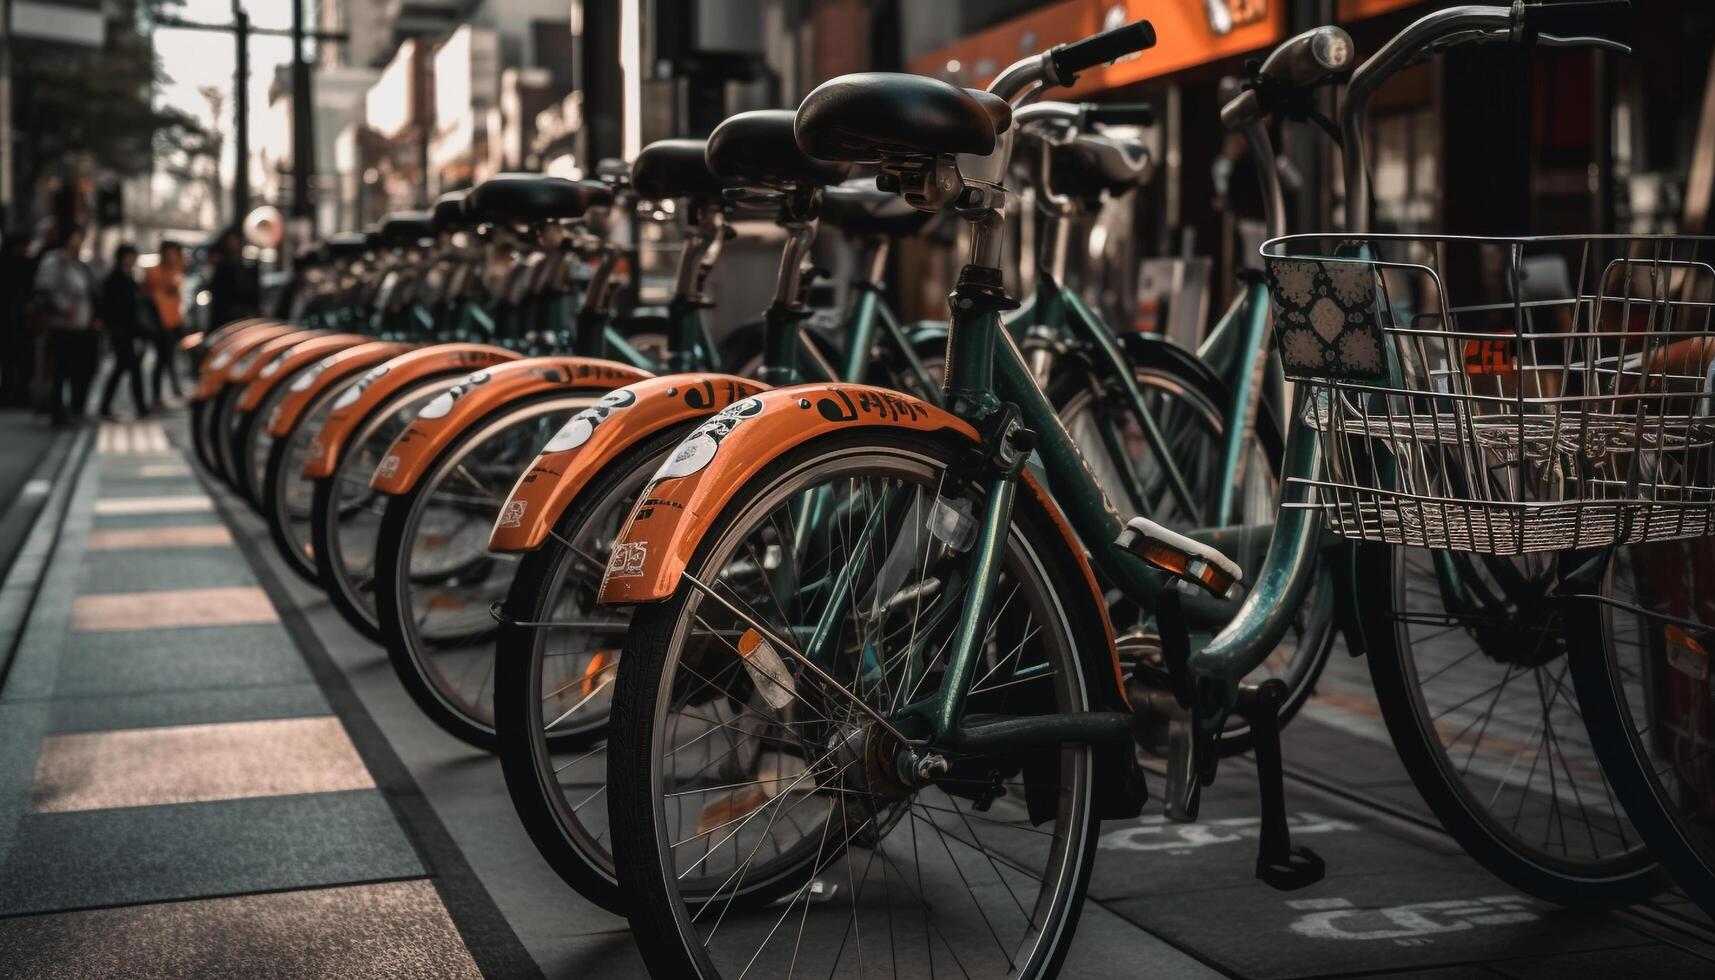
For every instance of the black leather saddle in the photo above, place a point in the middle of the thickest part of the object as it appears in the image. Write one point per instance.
(674, 168)
(448, 212)
(525, 199)
(866, 116)
(758, 149)
(1091, 163)
(403, 229)
(347, 245)
(857, 207)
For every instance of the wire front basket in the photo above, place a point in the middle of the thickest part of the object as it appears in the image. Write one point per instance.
(1567, 401)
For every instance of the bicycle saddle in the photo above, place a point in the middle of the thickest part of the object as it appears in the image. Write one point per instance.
(857, 207)
(758, 147)
(865, 116)
(674, 168)
(1091, 163)
(448, 212)
(526, 199)
(402, 229)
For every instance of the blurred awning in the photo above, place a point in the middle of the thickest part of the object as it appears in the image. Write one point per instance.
(66, 21)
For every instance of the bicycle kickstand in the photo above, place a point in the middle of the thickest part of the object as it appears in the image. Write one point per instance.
(1278, 863)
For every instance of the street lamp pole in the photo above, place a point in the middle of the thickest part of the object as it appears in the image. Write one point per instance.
(303, 129)
(241, 114)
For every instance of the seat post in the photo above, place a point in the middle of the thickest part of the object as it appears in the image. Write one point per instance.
(787, 311)
(976, 303)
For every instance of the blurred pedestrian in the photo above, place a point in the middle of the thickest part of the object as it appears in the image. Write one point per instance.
(121, 313)
(65, 312)
(17, 345)
(226, 280)
(165, 284)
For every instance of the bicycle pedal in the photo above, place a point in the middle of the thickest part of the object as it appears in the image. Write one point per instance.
(1188, 561)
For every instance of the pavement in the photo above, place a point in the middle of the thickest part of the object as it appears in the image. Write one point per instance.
(204, 772)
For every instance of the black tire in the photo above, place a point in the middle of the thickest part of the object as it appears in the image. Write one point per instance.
(565, 839)
(283, 476)
(394, 582)
(244, 436)
(330, 512)
(222, 423)
(660, 918)
(1637, 680)
(199, 409)
(1470, 810)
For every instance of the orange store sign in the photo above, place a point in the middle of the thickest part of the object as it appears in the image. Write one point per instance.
(1188, 33)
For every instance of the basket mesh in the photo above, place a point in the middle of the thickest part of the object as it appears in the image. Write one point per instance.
(1567, 401)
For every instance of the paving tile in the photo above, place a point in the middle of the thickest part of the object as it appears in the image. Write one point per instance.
(156, 504)
(178, 519)
(148, 661)
(171, 609)
(362, 932)
(190, 536)
(195, 763)
(93, 858)
(133, 710)
(160, 572)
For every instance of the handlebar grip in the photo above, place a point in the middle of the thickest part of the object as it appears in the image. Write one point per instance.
(1611, 19)
(1119, 114)
(1070, 59)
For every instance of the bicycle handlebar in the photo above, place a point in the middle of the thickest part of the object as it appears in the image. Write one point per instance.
(1310, 58)
(1519, 22)
(1024, 80)
(1070, 59)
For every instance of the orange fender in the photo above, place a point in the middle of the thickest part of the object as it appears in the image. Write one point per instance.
(249, 367)
(594, 436)
(384, 381)
(465, 404)
(217, 340)
(236, 327)
(285, 363)
(222, 360)
(719, 456)
(325, 373)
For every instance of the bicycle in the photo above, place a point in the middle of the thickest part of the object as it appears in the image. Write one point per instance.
(933, 664)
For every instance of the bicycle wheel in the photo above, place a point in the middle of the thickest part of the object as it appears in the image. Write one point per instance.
(1188, 405)
(286, 494)
(435, 579)
(345, 514)
(761, 821)
(1641, 669)
(553, 684)
(1468, 658)
(211, 434)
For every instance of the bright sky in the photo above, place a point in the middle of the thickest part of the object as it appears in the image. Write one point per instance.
(194, 59)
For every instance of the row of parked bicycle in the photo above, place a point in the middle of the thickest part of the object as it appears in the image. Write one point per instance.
(788, 644)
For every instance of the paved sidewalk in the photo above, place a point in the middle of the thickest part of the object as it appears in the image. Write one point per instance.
(177, 797)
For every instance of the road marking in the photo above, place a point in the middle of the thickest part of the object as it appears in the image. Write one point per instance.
(195, 764)
(171, 609)
(178, 504)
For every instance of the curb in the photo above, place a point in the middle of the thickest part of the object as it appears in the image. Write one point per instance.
(23, 579)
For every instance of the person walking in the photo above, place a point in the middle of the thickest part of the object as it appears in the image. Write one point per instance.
(65, 291)
(227, 292)
(165, 283)
(121, 314)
